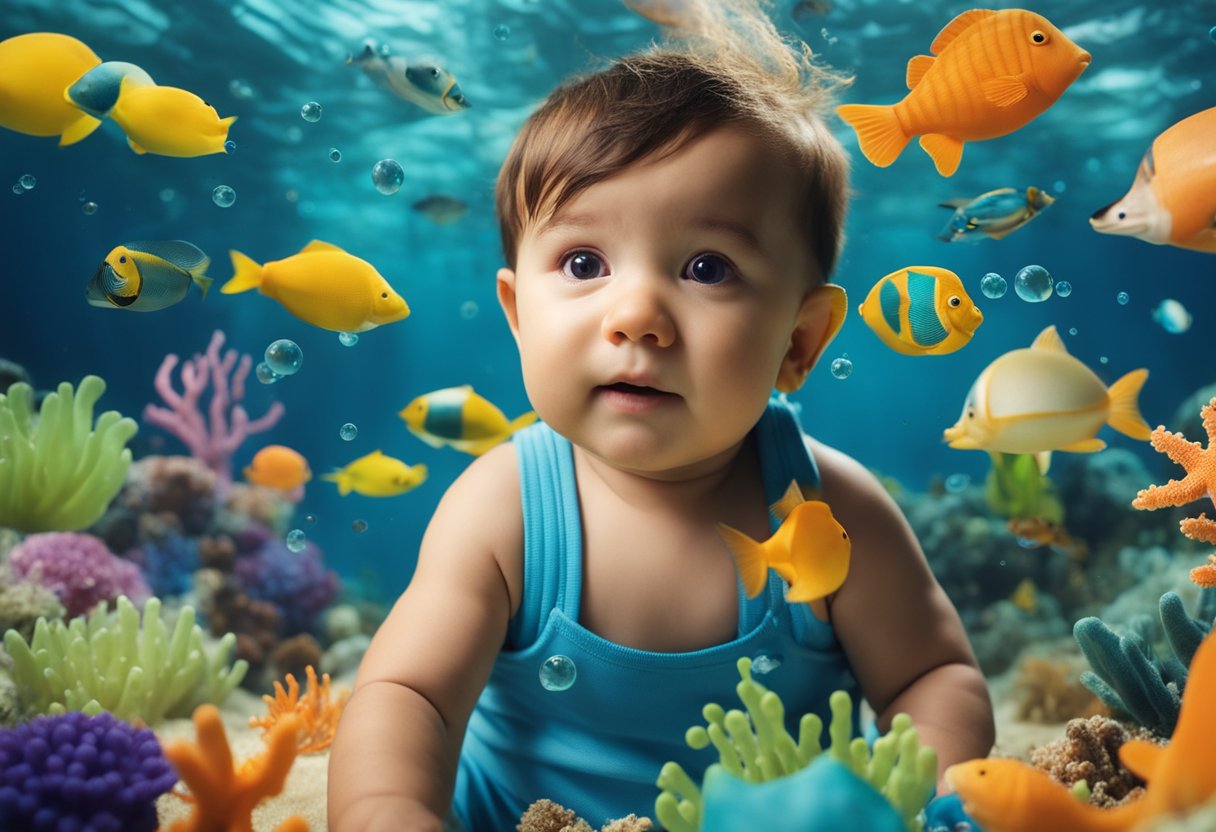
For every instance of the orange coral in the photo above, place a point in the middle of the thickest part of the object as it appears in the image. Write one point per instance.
(224, 797)
(318, 714)
(1200, 480)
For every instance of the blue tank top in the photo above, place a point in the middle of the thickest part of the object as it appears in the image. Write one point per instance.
(597, 746)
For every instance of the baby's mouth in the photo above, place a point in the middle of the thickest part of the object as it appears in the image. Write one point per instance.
(634, 389)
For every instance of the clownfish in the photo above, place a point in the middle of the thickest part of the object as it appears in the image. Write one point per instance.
(458, 417)
(810, 550)
(377, 475)
(424, 83)
(322, 285)
(35, 69)
(1172, 200)
(1040, 399)
(921, 310)
(96, 92)
(168, 121)
(990, 73)
(148, 276)
(277, 466)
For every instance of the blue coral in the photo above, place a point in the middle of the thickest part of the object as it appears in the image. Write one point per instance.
(297, 582)
(80, 772)
(168, 564)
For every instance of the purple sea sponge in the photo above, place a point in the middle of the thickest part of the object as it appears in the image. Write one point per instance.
(78, 568)
(297, 582)
(76, 771)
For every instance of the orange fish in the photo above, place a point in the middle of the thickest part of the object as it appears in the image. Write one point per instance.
(810, 550)
(277, 466)
(1046, 533)
(1172, 200)
(990, 73)
(1010, 796)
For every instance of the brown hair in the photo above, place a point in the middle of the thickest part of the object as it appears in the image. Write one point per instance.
(727, 66)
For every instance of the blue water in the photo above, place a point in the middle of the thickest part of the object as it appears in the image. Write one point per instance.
(263, 60)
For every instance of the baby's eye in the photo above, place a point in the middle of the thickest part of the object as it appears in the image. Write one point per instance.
(708, 269)
(583, 265)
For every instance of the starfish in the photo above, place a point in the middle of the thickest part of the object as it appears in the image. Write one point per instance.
(1200, 481)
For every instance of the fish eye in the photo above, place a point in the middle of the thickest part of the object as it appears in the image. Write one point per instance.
(1038, 38)
(384, 294)
(970, 414)
(1122, 215)
(434, 72)
(955, 301)
(123, 259)
(844, 535)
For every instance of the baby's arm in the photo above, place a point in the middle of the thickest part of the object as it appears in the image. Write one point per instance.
(394, 760)
(902, 635)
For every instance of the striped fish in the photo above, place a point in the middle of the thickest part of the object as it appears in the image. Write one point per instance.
(921, 310)
(458, 417)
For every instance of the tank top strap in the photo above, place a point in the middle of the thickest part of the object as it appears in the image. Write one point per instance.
(553, 536)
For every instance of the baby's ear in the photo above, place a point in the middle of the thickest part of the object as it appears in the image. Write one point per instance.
(506, 299)
(819, 319)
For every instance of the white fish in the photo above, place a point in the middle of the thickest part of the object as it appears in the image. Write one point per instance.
(1172, 316)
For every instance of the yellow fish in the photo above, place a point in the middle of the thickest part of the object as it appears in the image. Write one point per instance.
(377, 475)
(1007, 795)
(324, 286)
(1038, 399)
(1172, 200)
(990, 73)
(35, 69)
(921, 310)
(458, 417)
(810, 550)
(1024, 596)
(147, 276)
(168, 121)
(96, 92)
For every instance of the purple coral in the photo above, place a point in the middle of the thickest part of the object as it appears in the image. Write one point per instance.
(75, 771)
(297, 582)
(213, 438)
(78, 568)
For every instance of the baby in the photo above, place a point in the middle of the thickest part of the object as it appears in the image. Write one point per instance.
(669, 224)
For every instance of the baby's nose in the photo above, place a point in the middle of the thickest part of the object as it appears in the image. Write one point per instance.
(637, 312)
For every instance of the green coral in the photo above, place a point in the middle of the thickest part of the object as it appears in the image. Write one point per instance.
(109, 662)
(57, 471)
(756, 747)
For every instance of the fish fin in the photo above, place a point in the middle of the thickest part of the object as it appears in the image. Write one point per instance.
(954, 204)
(1002, 233)
(227, 122)
(786, 571)
(878, 131)
(917, 67)
(1049, 339)
(319, 245)
(1141, 757)
(1086, 446)
(427, 438)
(78, 129)
(790, 500)
(520, 422)
(136, 148)
(341, 478)
(247, 274)
(203, 282)
(1004, 91)
(1042, 461)
(184, 255)
(956, 27)
(1125, 409)
(749, 558)
(945, 151)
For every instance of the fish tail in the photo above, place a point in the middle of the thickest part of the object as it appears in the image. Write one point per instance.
(521, 422)
(247, 274)
(878, 131)
(342, 479)
(749, 557)
(1125, 409)
(203, 282)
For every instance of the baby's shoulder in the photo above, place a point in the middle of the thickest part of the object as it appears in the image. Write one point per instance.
(845, 483)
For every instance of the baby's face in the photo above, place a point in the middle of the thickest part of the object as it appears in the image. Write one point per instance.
(654, 310)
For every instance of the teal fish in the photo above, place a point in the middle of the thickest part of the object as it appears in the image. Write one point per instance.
(997, 213)
(147, 276)
(424, 83)
(96, 92)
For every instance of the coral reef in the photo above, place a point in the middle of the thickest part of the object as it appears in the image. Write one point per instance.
(295, 655)
(22, 603)
(110, 662)
(317, 709)
(1049, 691)
(227, 608)
(59, 471)
(76, 771)
(755, 747)
(78, 568)
(215, 437)
(223, 795)
(296, 582)
(546, 816)
(1089, 751)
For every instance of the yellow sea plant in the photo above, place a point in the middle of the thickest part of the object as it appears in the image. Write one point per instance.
(317, 709)
(59, 471)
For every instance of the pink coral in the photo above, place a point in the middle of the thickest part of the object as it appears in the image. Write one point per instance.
(78, 568)
(213, 438)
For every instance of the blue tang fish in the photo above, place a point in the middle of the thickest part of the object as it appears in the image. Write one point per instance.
(997, 213)
(147, 276)
(921, 310)
(458, 417)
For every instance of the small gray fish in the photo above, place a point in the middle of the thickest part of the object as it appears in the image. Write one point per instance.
(147, 276)
(424, 83)
(441, 209)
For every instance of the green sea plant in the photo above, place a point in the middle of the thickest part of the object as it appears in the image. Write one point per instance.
(1017, 489)
(756, 747)
(1128, 676)
(58, 472)
(113, 662)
